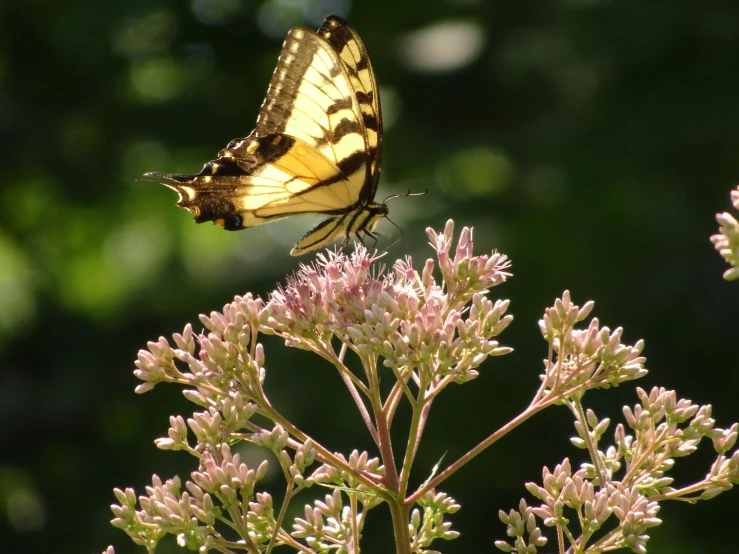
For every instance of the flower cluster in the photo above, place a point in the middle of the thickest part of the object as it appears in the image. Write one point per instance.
(429, 525)
(726, 241)
(221, 486)
(616, 496)
(585, 358)
(429, 334)
(419, 333)
(406, 318)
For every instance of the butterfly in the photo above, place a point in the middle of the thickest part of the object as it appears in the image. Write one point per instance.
(316, 148)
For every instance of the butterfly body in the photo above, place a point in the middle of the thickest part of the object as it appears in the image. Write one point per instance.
(316, 147)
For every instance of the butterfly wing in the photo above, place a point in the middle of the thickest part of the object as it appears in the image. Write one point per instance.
(323, 91)
(357, 66)
(346, 42)
(361, 219)
(316, 146)
(261, 179)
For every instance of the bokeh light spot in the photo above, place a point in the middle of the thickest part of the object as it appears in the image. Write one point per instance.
(106, 261)
(143, 155)
(158, 79)
(89, 286)
(35, 203)
(276, 17)
(16, 295)
(443, 46)
(479, 171)
(315, 11)
(206, 248)
(144, 36)
(137, 249)
(23, 507)
(391, 106)
(215, 12)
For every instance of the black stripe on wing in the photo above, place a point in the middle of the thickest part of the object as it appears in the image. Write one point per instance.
(297, 56)
(351, 50)
(335, 86)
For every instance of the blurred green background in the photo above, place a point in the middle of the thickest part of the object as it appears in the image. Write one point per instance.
(590, 140)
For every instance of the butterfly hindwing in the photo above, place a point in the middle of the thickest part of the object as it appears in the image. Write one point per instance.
(360, 220)
(259, 179)
(316, 147)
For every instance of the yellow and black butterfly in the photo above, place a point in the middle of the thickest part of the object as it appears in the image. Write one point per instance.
(317, 146)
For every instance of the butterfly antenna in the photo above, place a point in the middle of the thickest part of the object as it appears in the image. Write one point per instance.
(409, 193)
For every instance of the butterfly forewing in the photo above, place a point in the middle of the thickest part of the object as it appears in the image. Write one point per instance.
(316, 146)
(353, 55)
(310, 97)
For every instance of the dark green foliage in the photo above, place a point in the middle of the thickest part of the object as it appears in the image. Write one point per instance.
(592, 142)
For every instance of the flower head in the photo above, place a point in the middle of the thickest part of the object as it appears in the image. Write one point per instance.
(407, 318)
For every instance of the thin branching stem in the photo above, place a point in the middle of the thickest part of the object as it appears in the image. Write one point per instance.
(576, 406)
(386, 450)
(399, 515)
(413, 439)
(551, 398)
(328, 455)
(354, 522)
(283, 510)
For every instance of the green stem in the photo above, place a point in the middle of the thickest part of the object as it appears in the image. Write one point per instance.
(327, 353)
(288, 540)
(351, 381)
(383, 430)
(450, 470)
(550, 399)
(597, 462)
(610, 541)
(399, 515)
(361, 407)
(221, 549)
(639, 461)
(283, 510)
(355, 527)
(240, 521)
(410, 449)
(678, 493)
(391, 403)
(570, 536)
(330, 458)
(545, 382)
(560, 539)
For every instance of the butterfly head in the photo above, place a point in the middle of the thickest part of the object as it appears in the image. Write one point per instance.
(377, 211)
(384, 211)
(369, 217)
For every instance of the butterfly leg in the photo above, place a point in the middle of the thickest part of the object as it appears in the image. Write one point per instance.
(369, 234)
